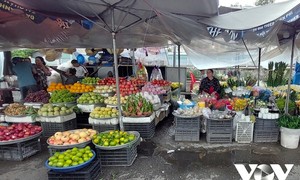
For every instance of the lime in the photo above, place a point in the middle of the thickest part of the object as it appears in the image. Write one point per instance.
(112, 143)
(79, 154)
(131, 137)
(61, 156)
(80, 159)
(86, 159)
(75, 158)
(52, 158)
(74, 163)
(91, 154)
(68, 162)
(50, 163)
(81, 150)
(80, 162)
(122, 139)
(61, 160)
(66, 165)
(56, 154)
(75, 149)
(96, 141)
(125, 140)
(85, 155)
(55, 161)
(87, 147)
(73, 153)
(68, 151)
(67, 157)
(59, 164)
(106, 143)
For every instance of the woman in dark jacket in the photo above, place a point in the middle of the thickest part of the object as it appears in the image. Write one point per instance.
(210, 84)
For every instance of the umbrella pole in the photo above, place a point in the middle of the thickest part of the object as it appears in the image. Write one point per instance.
(290, 77)
(259, 60)
(117, 73)
(179, 70)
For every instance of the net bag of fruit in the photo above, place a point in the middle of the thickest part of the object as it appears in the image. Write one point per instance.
(156, 74)
(141, 72)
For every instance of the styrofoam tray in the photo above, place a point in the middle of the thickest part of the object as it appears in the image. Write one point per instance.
(58, 119)
(110, 121)
(2, 118)
(139, 119)
(88, 107)
(20, 119)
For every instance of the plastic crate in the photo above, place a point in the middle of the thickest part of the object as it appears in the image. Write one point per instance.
(146, 130)
(219, 125)
(266, 136)
(219, 137)
(266, 124)
(187, 123)
(244, 132)
(50, 128)
(90, 172)
(187, 134)
(20, 151)
(105, 127)
(119, 157)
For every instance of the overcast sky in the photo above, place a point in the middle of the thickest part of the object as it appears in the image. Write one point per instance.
(241, 2)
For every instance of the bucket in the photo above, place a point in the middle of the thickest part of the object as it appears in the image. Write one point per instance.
(289, 138)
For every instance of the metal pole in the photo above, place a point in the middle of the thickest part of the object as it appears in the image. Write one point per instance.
(290, 77)
(133, 61)
(259, 60)
(117, 73)
(179, 69)
(174, 56)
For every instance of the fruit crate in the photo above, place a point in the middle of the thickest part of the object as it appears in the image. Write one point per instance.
(187, 134)
(106, 127)
(244, 132)
(118, 157)
(266, 124)
(146, 130)
(219, 125)
(50, 128)
(20, 151)
(187, 122)
(219, 137)
(266, 135)
(90, 172)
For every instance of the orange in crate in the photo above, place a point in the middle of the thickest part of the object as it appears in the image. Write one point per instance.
(55, 86)
(80, 88)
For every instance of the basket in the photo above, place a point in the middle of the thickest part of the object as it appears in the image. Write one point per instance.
(266, 136)
(244, 132)
(50, 128)
(90, 172)
(106, 127)
(146, 130)
(187, 134)
(20, 151)
(118, 157)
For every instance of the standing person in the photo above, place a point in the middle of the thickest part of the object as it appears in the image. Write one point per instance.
(71, 76)
(81, 71)
(24, 71)
(210, 84)
(42, 72)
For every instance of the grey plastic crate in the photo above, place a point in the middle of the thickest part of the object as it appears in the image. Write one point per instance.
(49, 128)
(244, 132)
(266, 124)
(187, 123)
(20, 151)
(90, 172)
(119, 157)
(187, 134)
(266, 136)
(146, 130)
(219, 137)
(105, 127)
(217, 125)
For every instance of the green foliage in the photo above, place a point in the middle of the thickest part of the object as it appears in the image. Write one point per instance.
(24, 53)
(280, 102)
(263, 2)
(276, 77)
(288, 121)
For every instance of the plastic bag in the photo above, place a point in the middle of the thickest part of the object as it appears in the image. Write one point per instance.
(156, 74)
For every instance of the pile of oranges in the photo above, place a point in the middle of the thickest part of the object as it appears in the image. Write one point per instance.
(80, 88)
(56, 86)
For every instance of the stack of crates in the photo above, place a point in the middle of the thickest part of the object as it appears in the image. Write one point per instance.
(266, 130)
(20, 151)
(219, 131)
(187, 128)
(50, 128)
(90, 172)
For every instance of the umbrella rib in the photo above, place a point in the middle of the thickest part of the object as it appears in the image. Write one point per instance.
(127, 12)
(89, 19)
(100, 18)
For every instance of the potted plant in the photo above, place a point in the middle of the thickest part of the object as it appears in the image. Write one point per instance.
(290, 131)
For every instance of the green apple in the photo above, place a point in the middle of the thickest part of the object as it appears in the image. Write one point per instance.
(45, 114)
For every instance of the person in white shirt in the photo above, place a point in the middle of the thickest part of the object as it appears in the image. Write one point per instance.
(81, 71)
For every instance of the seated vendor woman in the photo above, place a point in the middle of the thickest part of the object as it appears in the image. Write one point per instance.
(210, 84)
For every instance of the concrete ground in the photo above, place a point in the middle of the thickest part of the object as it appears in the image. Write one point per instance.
(199, 161)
